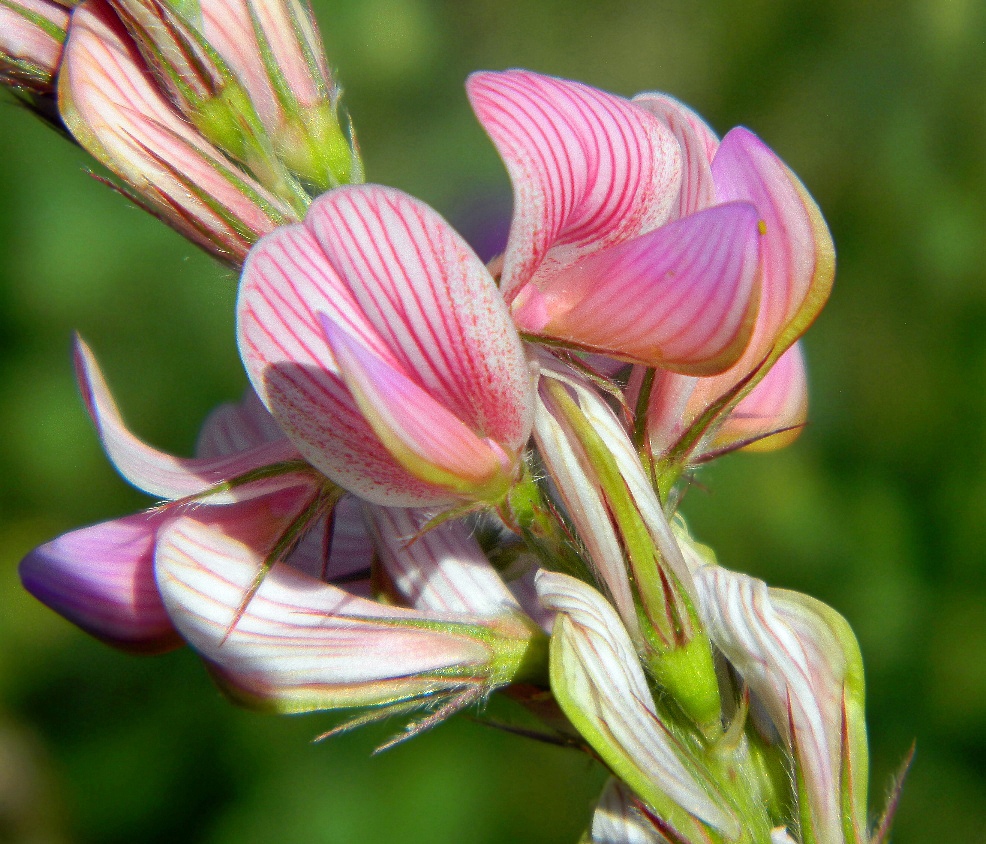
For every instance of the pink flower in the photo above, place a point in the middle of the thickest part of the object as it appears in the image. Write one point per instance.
(600, 256)
(102, 577)
(798, 266)
(382, 347)
(307, 633)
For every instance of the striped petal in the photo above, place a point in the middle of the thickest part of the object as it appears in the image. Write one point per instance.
(164, 475)
(618, 821)
(391, 274)
(32, 33)
(112, 106)
(338, 549)
(599, 683)
(589, 169)
(101, 578)
(302, 644)
(698, 145)
(800, 658)
(440, 570)
(779, 403)
(798, 260)
(683, 297)
(798, 254)
(425, 438)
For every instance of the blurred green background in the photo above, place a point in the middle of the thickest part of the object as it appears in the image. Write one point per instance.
(879, 509)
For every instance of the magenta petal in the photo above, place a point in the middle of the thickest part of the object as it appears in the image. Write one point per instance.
(779, 403)
(798, 255)
(164, 475)
(682, 297)
(589, 169)
(440, 570)
(426, 439)
(101, 578)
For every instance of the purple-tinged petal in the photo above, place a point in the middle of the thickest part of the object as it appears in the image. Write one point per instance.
(618, 821)
(589, 169)
(392, 275)
(600, 684)
(779, 403)
(440, 570)
(683, 297)
(337, 548)
(234, 427)
(698, 145)
(101, 578)
(802, 661)
(302, 644)
(425, 438)
(164, 475)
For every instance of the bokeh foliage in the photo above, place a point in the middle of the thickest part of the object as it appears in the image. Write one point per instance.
(879, 509)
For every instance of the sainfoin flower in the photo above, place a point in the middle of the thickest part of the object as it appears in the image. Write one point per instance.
(797, 269)
(382, 347)
(598, 257)
(293, 640)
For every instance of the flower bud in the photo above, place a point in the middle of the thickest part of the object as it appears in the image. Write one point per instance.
(275, 49)
(112, 106)
(32, 33)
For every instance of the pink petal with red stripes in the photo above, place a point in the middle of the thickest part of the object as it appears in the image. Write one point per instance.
(779, 403)
(164, 475)
(432, 303)
(442, 569)
(391, 274)
(682, 297)
(101, 578)
(425, 438)
(589, 169)
(698, 145)
(302, 644)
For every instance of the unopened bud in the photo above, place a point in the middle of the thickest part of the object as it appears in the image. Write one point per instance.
(32, 33)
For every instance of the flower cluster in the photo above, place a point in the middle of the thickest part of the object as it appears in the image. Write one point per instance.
(449, 477)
